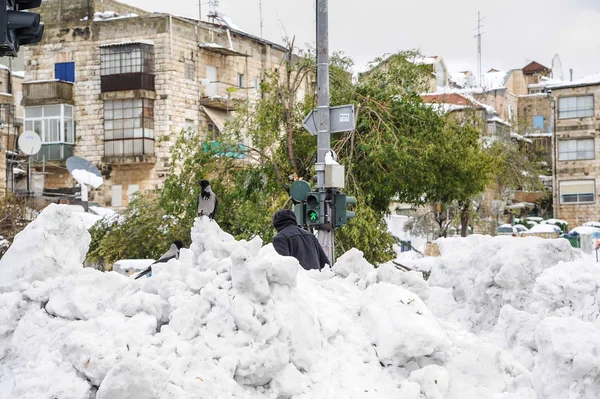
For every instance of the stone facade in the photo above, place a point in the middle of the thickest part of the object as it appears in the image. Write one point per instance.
(183, 49)
(535, 121)
(587, 170)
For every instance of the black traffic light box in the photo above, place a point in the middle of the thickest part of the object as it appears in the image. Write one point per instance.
(342, 214)
(18, 27)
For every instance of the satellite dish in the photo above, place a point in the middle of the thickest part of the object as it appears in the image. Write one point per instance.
(76, 163)
(85, 173)
(30, 143)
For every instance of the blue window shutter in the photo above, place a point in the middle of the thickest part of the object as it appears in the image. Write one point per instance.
(538, 122)
(65, 71)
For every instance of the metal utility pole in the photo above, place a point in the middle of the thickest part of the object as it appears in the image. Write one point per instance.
(478, 36)
(323, 133)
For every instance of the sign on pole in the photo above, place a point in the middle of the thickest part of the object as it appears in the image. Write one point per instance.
(341, 119)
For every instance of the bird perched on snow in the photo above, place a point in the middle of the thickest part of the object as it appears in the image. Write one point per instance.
(172, 253)
(207, 201)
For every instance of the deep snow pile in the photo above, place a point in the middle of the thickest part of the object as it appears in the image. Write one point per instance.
(538, 298)
(229, 319)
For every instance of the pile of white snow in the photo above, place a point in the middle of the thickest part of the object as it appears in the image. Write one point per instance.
(233, 319)
(537, 298)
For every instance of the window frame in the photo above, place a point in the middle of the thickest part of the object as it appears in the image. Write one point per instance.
(577, 150)
(127, 58)
(240, 80)
(577, 195)
(133, 120)
(577, 108)
(63, 122)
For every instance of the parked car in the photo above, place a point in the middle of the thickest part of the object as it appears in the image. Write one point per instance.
(509, 230)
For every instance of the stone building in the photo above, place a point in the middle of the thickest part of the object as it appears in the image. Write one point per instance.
(11, 122)
(112, 83)
(575, 163)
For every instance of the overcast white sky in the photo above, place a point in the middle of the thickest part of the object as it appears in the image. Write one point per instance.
(516, 31)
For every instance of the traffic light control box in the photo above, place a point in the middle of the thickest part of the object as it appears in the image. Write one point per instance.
(334, 176)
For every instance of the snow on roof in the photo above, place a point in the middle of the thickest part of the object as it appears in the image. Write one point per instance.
(494, 81)
(421, 60)
(521, 205)
(19, 74)
(125, 43)
(443, 109)
(555, 221)
(590, 80)
(499, 120)
(110, 15)
(585, 230)
(518, 137)
(544, 228)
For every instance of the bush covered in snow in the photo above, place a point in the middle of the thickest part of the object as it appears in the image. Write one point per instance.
(230, 319)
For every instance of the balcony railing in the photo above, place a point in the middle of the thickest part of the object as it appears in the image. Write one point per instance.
(46, 93)
(127, 81)
(54, 152)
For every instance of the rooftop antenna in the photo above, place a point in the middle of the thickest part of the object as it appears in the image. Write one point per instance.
(478, 36)
(212, 6)
(261, 17)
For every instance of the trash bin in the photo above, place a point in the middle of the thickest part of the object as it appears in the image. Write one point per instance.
(574, 240)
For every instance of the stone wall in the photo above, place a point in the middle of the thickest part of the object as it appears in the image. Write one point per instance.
(531, 106)
(576, 214)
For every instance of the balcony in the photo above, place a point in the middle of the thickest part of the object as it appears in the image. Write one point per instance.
(224, 96)
(47, 93)
(127, 82)
(54, 152)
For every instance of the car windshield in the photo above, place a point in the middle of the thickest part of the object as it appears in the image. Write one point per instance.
(505, 230)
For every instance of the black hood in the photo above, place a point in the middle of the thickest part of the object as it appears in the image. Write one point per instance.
(283, 219)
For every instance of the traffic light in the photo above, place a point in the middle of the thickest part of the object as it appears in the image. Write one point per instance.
(342, 214)
(300, 212)
(17, 27)
(313, 209)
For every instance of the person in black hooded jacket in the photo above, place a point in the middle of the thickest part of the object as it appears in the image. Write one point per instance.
(292, 240)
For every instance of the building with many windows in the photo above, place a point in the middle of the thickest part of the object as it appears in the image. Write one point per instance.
(576, 142)
(112, 84)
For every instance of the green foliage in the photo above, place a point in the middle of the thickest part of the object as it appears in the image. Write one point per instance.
(514, 169)
(144, 231)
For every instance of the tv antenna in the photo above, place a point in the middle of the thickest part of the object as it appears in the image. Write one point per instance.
(261, 17)
(213, 5)
(478, 36)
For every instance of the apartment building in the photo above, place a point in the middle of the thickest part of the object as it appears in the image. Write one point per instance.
(576, 165)
(112, 84)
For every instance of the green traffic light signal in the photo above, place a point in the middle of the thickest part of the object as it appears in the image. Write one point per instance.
(313, 209)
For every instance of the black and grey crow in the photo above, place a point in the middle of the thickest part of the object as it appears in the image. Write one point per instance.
(172, 253)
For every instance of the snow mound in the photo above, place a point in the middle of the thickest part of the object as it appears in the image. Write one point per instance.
(487, 273)
(53, 245)
(229, 319)
(537, 298)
